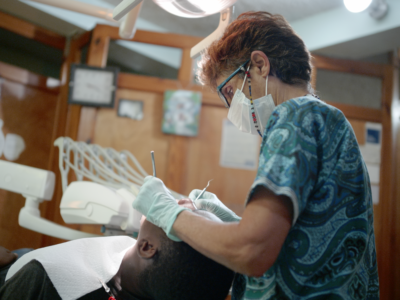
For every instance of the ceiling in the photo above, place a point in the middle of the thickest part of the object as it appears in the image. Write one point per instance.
(325, 25)
(291, 9)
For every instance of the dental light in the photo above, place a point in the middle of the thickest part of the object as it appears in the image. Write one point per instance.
(189, 9)
(356, 6)
(128, 11)
(377, 8)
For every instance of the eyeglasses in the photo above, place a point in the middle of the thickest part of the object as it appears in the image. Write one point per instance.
(221, 86)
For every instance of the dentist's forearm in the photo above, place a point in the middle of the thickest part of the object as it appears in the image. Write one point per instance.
(249, 247)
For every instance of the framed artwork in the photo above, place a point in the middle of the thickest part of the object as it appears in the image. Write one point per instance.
(91, 86)
(132, 109)
(181, 112)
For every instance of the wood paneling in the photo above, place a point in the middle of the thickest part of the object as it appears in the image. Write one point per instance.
(386, 233)
(27, 78)
(31, 31)
(160, 85)
(177, 159)
(186, 71)
(358, 112)
(203, 155)
(66, 124)
(348, 66)
(138, 137)
(150, 37)
(30, 113)
(359, 130)
(396, 167)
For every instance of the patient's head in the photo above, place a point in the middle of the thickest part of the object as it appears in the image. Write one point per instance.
(174, 270)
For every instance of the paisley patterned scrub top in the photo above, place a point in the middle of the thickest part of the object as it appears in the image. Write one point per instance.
(310, 154)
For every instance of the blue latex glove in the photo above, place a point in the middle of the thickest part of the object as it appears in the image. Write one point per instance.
(158, 205)
(212, 204)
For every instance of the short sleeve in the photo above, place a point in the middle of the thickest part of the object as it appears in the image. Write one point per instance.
(288, 163)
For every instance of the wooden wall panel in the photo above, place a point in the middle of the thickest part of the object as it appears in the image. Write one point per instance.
(231, 185)
(138, 137)
(28, 112)
(66, 124)
(396, 175)
(359, 130)
(31, 31)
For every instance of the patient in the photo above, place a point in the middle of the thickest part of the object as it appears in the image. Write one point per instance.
(153, 267)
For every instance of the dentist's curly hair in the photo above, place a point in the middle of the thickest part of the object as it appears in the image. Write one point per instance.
(288, 56)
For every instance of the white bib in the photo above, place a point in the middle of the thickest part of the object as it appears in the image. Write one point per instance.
(75, 267)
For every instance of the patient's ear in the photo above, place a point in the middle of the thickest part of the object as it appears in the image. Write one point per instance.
(146, 249)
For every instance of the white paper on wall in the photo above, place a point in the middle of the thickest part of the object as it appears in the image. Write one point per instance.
(375, 193)
(371, 153)
(239, 150)
(373, 171)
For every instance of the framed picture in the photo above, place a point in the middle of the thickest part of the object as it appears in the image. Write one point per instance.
(91, 86)
(132, 109)
(181, 112)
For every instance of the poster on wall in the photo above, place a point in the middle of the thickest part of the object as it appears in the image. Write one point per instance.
(181, 112)
(239, 150)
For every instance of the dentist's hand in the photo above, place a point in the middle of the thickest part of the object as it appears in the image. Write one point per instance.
(158, 205)
(212, 204)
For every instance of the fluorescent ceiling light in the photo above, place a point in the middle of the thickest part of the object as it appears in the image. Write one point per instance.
(356, 6)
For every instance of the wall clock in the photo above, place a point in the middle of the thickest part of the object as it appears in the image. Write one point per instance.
(92, 86)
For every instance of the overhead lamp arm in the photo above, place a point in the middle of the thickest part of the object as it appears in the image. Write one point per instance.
(127, 29)
(226, 17)
(124, 7)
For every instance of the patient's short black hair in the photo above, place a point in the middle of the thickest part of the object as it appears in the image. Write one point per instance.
(179, 272)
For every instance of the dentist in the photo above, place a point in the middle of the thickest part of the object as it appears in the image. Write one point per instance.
(307, 229)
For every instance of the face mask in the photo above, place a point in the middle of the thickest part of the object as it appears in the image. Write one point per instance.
(240, 111)
(263, 108)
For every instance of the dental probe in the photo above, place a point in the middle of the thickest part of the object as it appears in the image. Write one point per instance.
(201, 193)
(154, 163)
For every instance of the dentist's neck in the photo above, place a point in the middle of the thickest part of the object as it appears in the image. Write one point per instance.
(282, 92)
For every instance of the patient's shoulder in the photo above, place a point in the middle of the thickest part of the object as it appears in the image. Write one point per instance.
(30, 282)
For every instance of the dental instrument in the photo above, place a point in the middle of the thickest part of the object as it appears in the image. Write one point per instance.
(201, 193)
(154, 163)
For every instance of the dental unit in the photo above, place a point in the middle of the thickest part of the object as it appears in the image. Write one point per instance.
(115, 178)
